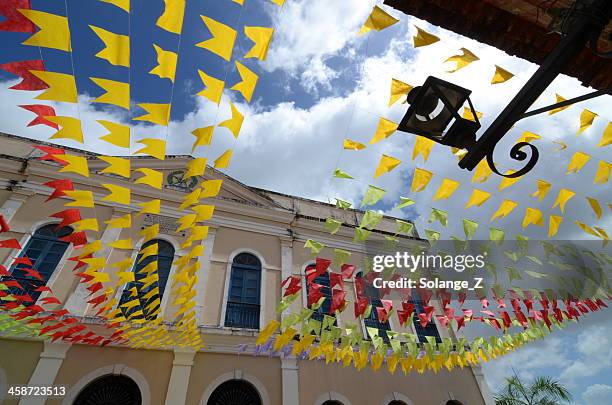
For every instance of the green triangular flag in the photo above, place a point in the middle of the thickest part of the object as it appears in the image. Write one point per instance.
(343, 204)
(404, 227)
(332, 225)
(404, 202)
(469, 228)
(496, 235)
(361, 234)
(341, 257)
(370, 220)
(372, 195)
(432, 236)
(342, 175)
(440, 216)
(315, 247)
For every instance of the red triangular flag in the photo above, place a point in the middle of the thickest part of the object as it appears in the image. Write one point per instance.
(41, 112)
(10, 244)
(15, 21)
(68, 217)
(4, 226)
(49, 152)
(22, 69)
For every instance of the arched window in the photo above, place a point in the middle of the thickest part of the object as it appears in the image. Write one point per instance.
(242, 310)
(235, 392)
(322, 279)
(453, 402)
(372, 320)
(146, 287)
(110, 389)
(332, 402)
(45, 250)
(397, 402)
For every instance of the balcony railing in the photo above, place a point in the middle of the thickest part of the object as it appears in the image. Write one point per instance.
(242, 315)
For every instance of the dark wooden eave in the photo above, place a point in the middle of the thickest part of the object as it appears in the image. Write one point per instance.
(518, 27)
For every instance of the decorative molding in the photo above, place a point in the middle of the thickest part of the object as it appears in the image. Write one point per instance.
(236, 375)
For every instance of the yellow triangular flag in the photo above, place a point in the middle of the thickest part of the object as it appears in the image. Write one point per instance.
(195, 167)
(477, 198)
(54, 31)
(235, 123)
(262, 37)
(172, 18)
(211, 188)
(118, 166)
(117, 93)
(277, 2)
(577, 162)
(222, 161)
(153, 147)
(75, 164)
(420, 179)
(81, 198)
(564, 196)
(121, 244)
(204, 212)
(528, 137)
(62, 87)
(422, 146)
(386, 164)
(543, 189)
(124, 221)
(501, 75)
(352, 145)
(87, 224)
(554, 222)
(223, 38)
(119, 135)
(399, 90)
(507, 181)
(462, 60)
(469, 115)
(166, 64)
(384, 130)
(122, 4)
(606, 138)
(559, 99)
(151, 178)
(603, 172)
(246, 86)
(482, 173)
(116, 47)
(213, 87)
(424, 38)
(149, 232)
(446, 189)
(587, 229)
(150, 207)
(505, 208)
(595, 206)
(533, 216)
(241, 2)
(586, 120)
(378, 20)
(118, 194)
(203, 136)
(70, 128)
(157, 113)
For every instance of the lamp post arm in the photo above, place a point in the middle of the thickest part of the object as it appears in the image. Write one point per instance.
(565, 103)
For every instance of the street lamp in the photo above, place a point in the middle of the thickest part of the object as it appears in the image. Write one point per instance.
(434, 106)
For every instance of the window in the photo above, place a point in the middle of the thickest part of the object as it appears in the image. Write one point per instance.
(397, 402)
(110, 389)
(145, 291)
(372, 321)
(332, 402)
(242, 310)
(45, 250)
(235, 392)
(422, 332)
(323, 280)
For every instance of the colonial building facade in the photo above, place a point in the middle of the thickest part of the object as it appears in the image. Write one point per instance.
(256, 240)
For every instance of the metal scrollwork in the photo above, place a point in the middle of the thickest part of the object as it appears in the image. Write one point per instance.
(517, 154)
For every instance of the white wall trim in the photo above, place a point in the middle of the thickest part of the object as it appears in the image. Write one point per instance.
(236, 375)
(114, 369)
(332, 396)
(262, 289)
(396, 396)
(3, 384)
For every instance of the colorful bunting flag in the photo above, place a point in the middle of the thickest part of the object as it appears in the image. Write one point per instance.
(116, 47)
(54, 31)
(378, 20)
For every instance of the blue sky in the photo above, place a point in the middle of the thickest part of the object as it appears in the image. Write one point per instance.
(320, 84)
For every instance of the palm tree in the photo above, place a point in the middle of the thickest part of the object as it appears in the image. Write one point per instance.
(542, 391)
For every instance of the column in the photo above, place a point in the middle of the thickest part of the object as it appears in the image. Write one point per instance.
(482, 384)
(12, 205)
(77, 302)
(204, 260)
(179, 377)
(46, 370)
(289, 364)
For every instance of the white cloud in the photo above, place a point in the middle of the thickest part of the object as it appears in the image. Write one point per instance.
(600, 394)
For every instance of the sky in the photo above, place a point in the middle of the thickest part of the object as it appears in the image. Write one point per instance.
(322, 83)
